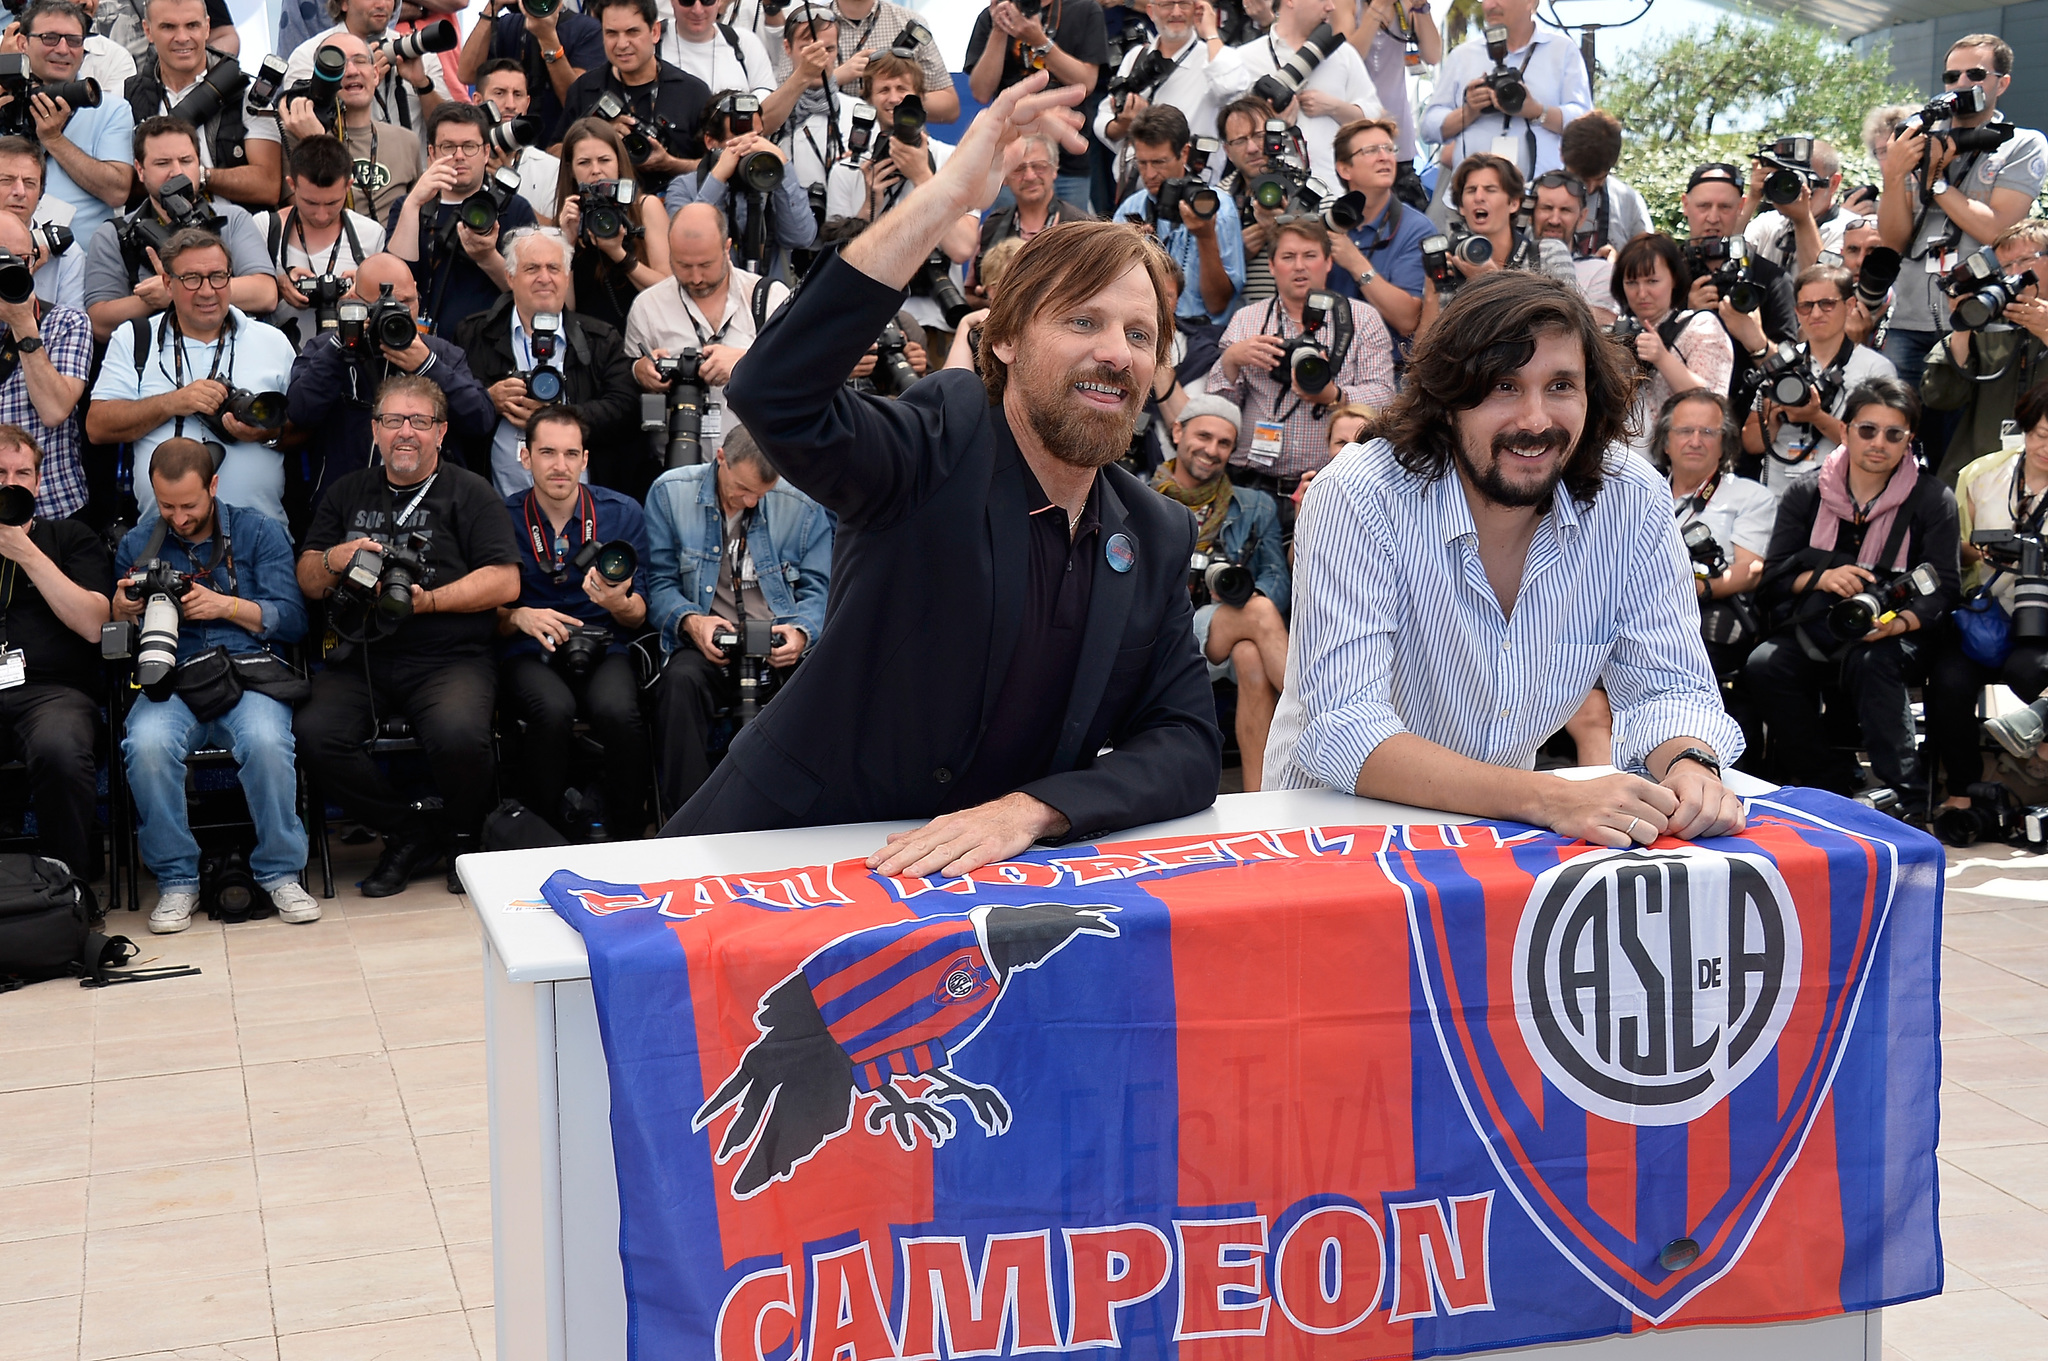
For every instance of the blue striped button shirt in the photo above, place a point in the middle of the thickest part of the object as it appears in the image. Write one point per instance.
(1395, 628)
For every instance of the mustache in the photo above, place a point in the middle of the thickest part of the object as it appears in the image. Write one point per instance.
(1532, 441)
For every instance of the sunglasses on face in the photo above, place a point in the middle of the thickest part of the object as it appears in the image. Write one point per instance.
(54, 40)
(1977, 74)
(1870, 430)
(1819, 305)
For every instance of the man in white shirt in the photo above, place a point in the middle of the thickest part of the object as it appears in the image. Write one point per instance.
(1462, 108)
(106, 61)
(1338, 91)
(714, 307)
(89, 150)
(722, 56)
(1793, 237)
(406, 92)
(1192, 70)
(504, 85)
(316, 235)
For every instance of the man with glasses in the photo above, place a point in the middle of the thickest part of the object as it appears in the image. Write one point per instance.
(1560, 236)
(406, 92)
(1938, 206)
(1069, 40)
(654, 92)
(1202, 76)
(1380, 260)
(1870, 516)
(122, 279)
(459, 270)
(436, 666)
(1797, 439)
(1243, 125)
(1980, 375)
(722, 56)
(1030, 182)
(169, 375)
(88, 149)
(386, 157)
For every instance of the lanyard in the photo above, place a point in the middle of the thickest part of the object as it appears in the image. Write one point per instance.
(1382, 237)
(551, 558)
(173, 333)
(224, 553)
(860, 39)
(8, 572)
(339, 236)
(2022, 520)
(398, 520)
(735, 555)
(1696, 504)
(716, 337)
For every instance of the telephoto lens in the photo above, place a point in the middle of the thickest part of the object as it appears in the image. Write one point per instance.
(265, 410)
(761, 171)
(17, 283)
(1874, 281)
(216, 88)
(1229, 583)
(893, 373)
(17, 504)
(1344, 214)
(156, 648)
(540, 9)
(439, 37)
(508, 136)
(55, 236)
(79, 94)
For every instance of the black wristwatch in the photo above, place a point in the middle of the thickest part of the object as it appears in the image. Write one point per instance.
(28, 344)
(424, 89)
(1700, 754)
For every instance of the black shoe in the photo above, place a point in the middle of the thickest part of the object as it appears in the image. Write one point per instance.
(462, 843)
(402, 859)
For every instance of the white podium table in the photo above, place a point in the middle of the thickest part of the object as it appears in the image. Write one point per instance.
(560, 1291)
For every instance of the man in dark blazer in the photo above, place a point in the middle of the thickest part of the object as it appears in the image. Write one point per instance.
(1009, 649)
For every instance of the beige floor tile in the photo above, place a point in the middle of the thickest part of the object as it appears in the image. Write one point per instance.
(1973, 1120)
(2019, 1170)
(483, 1330)
(164, 1121)
(458, 1159)
(446, 921)
(149, 1315)
(355, 1290)
(57, 1065)
(464, 1212)
(41, 1268)
(178, 1249)
(2028, 962)
(439, 1065)
(39, 1029)
(431, 1337)
(49, 998)
(153, 1195)
(1961, 972)
(267, 1041)
(412, 991)
(343, 1172)
(256, 1007)
(246, 1349)
(41, 1330)
(188, 1051)
(1994, 1061)
(49, 1134)
(318, 1103)
(438, 954)
(350, 1228)
(207, 1015)
(43, 1209)
(284, 968)
(1982, 1325)
(473, 1273)
(1999, 1249)
(456, 1020)
(448, 1110)
(2012, 1007)
(1984, 935)
(1963, 1194)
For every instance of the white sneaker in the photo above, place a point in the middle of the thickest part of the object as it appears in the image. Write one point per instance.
(173, 911)
(293, 903)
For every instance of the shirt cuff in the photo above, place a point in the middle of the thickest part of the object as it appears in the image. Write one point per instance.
(1334, 747)
(1648, 726)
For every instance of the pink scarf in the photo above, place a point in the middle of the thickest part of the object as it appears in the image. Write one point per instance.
(1838, 507)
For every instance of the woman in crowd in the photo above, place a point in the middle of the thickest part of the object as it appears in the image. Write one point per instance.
(1679, 350)
(608, 271)
(2005, 490)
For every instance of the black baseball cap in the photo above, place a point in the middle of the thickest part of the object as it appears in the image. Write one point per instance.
(1716, 170)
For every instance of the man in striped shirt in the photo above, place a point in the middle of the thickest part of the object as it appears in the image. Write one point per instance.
(1461, 582)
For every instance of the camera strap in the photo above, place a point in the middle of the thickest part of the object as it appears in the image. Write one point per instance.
(552, 558)
(1694, 506)
(1917, 249)
(174, 335)
(399, 517)
(2024, 519)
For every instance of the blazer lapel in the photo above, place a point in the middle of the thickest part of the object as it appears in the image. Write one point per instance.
(1007, 562)
(1109, 606)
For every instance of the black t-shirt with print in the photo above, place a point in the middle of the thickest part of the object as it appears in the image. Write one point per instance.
(465, 526)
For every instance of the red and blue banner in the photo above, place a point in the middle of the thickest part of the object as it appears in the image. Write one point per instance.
(1321, 1094)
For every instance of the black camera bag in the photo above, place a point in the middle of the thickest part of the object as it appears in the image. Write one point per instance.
(208, 684)
(46, 920)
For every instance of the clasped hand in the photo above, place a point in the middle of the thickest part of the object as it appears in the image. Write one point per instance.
(1627, 810)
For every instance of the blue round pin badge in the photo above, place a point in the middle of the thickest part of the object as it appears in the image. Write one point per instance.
(1120, 552)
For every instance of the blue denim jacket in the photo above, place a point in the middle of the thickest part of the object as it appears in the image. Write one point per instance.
(790, 541)
(1252, 512)
(263, 574)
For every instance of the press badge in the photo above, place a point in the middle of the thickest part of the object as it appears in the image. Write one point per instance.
(1508, 149)
(1266, 438)
(13, 668)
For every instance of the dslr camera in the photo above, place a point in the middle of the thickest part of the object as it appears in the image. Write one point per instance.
(582, 650)
(324, 293)
(323, 87)
(934, 280)
(909, 40)
(1785, 375)
(1709, 560)
(1982, 291)
(893, 374)
(1303, 361)
(1994, 813)
(161, 587)
(17, 80)
(1725, 260)
(264, 410)
(1625, 327)
(1216, 578)
(1279, 86)
(606, 210)
(479, 212)
(218, 87)
(615, 561)
(508, 135)
(1937, 119)
(1849, 619)
(1151, 68)
(544, 384)
(639, 143)
(906, 125)
(262, 94)
(746, 649)
(1510, 92)
(1791, 162)
(860, 130)
(1189, 189)
(365, 329)
(1285, 179)
(374, 595)
(140, 232)
(2023, 556)
(678, 417)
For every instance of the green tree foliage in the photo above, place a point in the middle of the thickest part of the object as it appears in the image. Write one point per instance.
(1747, 73)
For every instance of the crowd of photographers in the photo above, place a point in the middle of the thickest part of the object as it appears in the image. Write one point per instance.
(439, 330)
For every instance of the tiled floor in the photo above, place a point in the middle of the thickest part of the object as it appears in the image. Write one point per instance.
(285, 1157)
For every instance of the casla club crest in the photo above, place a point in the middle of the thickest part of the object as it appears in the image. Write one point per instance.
(1647, 993)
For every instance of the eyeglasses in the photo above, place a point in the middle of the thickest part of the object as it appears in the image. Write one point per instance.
(1870, 430)
(1561, 179)
(1821, 305)
(1376, 149)
(1977, 74)
(1249, 139)
(1035, 168)
(388, 423)
(54, 40)
(1686, 434)
(190, 282)
(463, 149)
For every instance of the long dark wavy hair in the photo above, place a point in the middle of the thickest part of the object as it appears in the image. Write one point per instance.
(1487, 332)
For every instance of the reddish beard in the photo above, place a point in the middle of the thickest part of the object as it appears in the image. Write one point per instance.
(1070, 431)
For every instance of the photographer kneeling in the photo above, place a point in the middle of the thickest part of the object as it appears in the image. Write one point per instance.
(729, 544)
(568, 629)
(1843, 588)
(422, 554)
(2003, 492)
(1239, 580)
(236, 596)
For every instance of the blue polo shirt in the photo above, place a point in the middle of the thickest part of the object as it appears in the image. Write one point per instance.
(1180, 244)
(618, 517)
(1393, 249)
